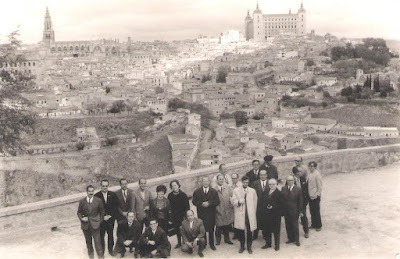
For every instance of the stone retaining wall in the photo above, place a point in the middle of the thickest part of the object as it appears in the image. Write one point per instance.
(59, 210)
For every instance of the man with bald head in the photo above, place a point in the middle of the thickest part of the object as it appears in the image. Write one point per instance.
(273, 206)
(293, 209)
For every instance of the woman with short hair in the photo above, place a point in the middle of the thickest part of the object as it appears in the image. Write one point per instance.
(160, 208)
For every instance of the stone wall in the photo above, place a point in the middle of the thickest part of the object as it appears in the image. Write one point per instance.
(57, 211)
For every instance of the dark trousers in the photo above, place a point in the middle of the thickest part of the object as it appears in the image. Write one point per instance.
(201, 244)
(107, 226)
(95, 234)
(249, 235)
(292, 227)
(276, 230)
(177, 226)
(315, 213)
(210, 237)
(222, 230)
(304, 219)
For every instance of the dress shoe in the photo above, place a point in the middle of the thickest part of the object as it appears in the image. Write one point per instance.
(297, 243)
(201, 254)
(177, 246)
(217, 243)
(241, 250)
(229, 242)
(276, 248)
(265, 246)
(213, 247)
(250, 251)
(318, 229)
(289, 241)
(306, 235)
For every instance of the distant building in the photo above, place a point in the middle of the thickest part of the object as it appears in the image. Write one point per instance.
(263, 26)
(230, 36)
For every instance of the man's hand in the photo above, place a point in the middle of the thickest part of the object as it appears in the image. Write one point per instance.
(127, 242)
(85, 219)
(151, 242)
(195, 242)
(154, 252)
(241, 201)
(146, 208)
(205, 204)
(107, 217)
(190, 244)
(301, 214)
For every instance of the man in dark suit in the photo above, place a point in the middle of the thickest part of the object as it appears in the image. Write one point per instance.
(294, 207)
(141, 202)
(91, 214)
(128, 235)
(260, 186)
(110, 203)
(206, 200)
(193, 232)
(272, 171)
(273, 204)
(253, 174)
(300, 174)
(154, 241)
(125, 199)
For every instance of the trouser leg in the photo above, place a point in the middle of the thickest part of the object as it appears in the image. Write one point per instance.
(103, 229)
(202, 244)
(97, 243)
(288, 226)
(249, 236)
(240, 234)
(315, 213)
(218, 233)
(89, 244)
(268, 238)
(211, 237)
(226, 233)
(110, 236)
(277, 237)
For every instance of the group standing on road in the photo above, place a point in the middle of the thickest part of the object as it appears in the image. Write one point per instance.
(224, 204)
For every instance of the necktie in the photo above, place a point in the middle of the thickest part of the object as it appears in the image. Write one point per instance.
(205, 190)
(124, 192)
(220, 188)
(263, 185)
(90, 200)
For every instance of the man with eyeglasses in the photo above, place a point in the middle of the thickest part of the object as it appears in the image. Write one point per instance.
(300, 174)
(314, 181)
(110, 203)
(154, 241)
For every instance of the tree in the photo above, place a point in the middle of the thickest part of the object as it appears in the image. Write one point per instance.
(347, 91)
(15, 117)
(80, 145)
(101, 105)
(205, 78)
(319, 89)
(108, 90)
(111, 141)
(159, 90)
(240, 117)
(117, 107)
(377, 87)
(225, 115)
(129, 107)
(383, 94)
(326, 95)
(310, 63)
(221, 76)
(286, 98)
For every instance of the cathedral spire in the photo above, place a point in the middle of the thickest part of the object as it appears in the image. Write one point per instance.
(48, 32)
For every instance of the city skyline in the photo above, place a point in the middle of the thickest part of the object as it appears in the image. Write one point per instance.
(149, 20)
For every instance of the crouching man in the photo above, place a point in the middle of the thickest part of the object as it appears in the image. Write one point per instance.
(193, 232)
(128, 235)
(154, 242)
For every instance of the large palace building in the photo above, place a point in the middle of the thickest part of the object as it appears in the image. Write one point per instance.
(263, 26)
(76, 48)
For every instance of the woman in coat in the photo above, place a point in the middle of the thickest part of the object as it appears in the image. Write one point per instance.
(160, 208)
(179, 206)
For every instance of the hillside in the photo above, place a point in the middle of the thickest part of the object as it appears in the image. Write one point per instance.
(51, 131)
(363, 115)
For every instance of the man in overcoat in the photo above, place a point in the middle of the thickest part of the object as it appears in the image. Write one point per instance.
(224, 211)
(206, 200)
(244, 201)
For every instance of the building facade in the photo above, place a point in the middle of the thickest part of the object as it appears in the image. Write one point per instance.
(263, 26)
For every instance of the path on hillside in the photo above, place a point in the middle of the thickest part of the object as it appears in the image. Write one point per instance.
(360, 212)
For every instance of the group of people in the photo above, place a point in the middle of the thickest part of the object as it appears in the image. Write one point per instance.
(224, 204)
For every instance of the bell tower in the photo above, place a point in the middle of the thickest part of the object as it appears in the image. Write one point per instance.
(48, 32)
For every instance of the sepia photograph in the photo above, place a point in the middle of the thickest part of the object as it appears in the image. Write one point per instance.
(199, 128)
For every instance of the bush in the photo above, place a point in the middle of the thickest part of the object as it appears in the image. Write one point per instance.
(111, 141)
(80, 145)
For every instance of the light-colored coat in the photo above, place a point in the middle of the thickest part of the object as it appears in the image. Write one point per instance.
(224, 211)
(251, 200)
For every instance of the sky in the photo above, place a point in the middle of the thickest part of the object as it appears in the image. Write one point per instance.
(148, 20)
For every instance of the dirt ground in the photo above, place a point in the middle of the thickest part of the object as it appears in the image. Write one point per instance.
(360, 212)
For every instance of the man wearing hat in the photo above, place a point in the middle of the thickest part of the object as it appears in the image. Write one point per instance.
(272, 171)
